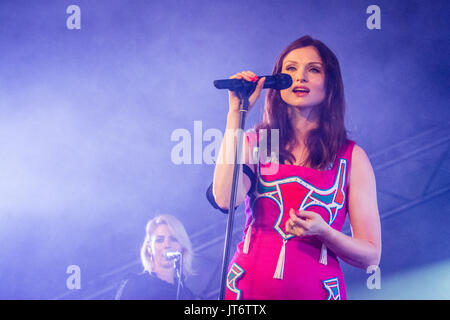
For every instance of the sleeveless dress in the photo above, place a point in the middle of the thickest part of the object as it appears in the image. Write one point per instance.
(269, 263)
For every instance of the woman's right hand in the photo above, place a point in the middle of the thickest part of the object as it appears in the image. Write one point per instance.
(234, 100)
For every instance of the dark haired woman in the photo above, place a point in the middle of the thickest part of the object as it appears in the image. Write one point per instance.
(295, 213)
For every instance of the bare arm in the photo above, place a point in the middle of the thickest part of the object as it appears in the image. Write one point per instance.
(364, 247)
(223, 173)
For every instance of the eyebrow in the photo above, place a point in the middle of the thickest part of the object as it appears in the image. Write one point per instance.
(295, 62)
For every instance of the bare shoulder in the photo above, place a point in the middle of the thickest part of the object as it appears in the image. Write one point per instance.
(361, 166)
(359, 154)
(360, 157)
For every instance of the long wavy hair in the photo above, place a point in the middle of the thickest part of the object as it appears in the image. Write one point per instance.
(323, 142)
(177, 229)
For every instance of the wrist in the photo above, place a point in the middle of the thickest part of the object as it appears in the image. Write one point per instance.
(326, 233)
(233, 114)
(233, 118)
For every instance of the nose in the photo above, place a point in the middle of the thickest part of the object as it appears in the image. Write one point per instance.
(301, 76)
(167, 244)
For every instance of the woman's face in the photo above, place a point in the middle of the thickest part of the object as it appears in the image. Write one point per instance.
(161, 241)
(305, 67)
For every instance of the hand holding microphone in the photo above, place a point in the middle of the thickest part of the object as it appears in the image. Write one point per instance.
(248, 80)
(233, 98)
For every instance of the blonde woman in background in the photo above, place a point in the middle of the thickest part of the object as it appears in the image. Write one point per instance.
(164, 234)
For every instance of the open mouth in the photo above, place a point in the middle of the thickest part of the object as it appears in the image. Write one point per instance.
(300, 90)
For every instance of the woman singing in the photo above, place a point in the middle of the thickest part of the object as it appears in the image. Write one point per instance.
(292, 237)
(163, 234)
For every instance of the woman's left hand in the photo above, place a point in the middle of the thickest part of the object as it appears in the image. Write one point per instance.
(306, 223)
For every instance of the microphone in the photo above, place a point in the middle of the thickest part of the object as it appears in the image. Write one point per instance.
(171, 255)
(277, 81)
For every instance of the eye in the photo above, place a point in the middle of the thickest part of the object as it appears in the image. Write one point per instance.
(290, 68)
(159, 239)
(173, 239)
(315, 70)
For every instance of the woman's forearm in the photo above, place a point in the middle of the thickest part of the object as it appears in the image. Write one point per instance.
(223, 172)
(357, 252)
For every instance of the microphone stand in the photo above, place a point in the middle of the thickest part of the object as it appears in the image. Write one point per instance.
(178, 265)
(244, 95)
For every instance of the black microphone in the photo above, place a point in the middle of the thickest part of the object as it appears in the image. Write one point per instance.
(171, 255)
(278, 81)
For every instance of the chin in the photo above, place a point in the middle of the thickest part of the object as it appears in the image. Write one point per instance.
(167, 265)
(309, 104)
(304, 105)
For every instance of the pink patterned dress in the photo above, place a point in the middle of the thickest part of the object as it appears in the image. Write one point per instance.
(269, 263)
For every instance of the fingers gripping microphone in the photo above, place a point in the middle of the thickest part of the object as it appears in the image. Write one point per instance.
(278, 81)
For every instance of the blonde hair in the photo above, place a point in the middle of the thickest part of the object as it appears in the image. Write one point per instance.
(176, 228)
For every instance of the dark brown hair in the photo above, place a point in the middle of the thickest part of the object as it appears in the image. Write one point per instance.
(323, 142)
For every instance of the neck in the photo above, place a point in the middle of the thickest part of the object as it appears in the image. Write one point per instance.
(302, 121)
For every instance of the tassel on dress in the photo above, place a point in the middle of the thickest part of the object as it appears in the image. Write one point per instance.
(323, 254)
(280, 265)
(247, 238)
